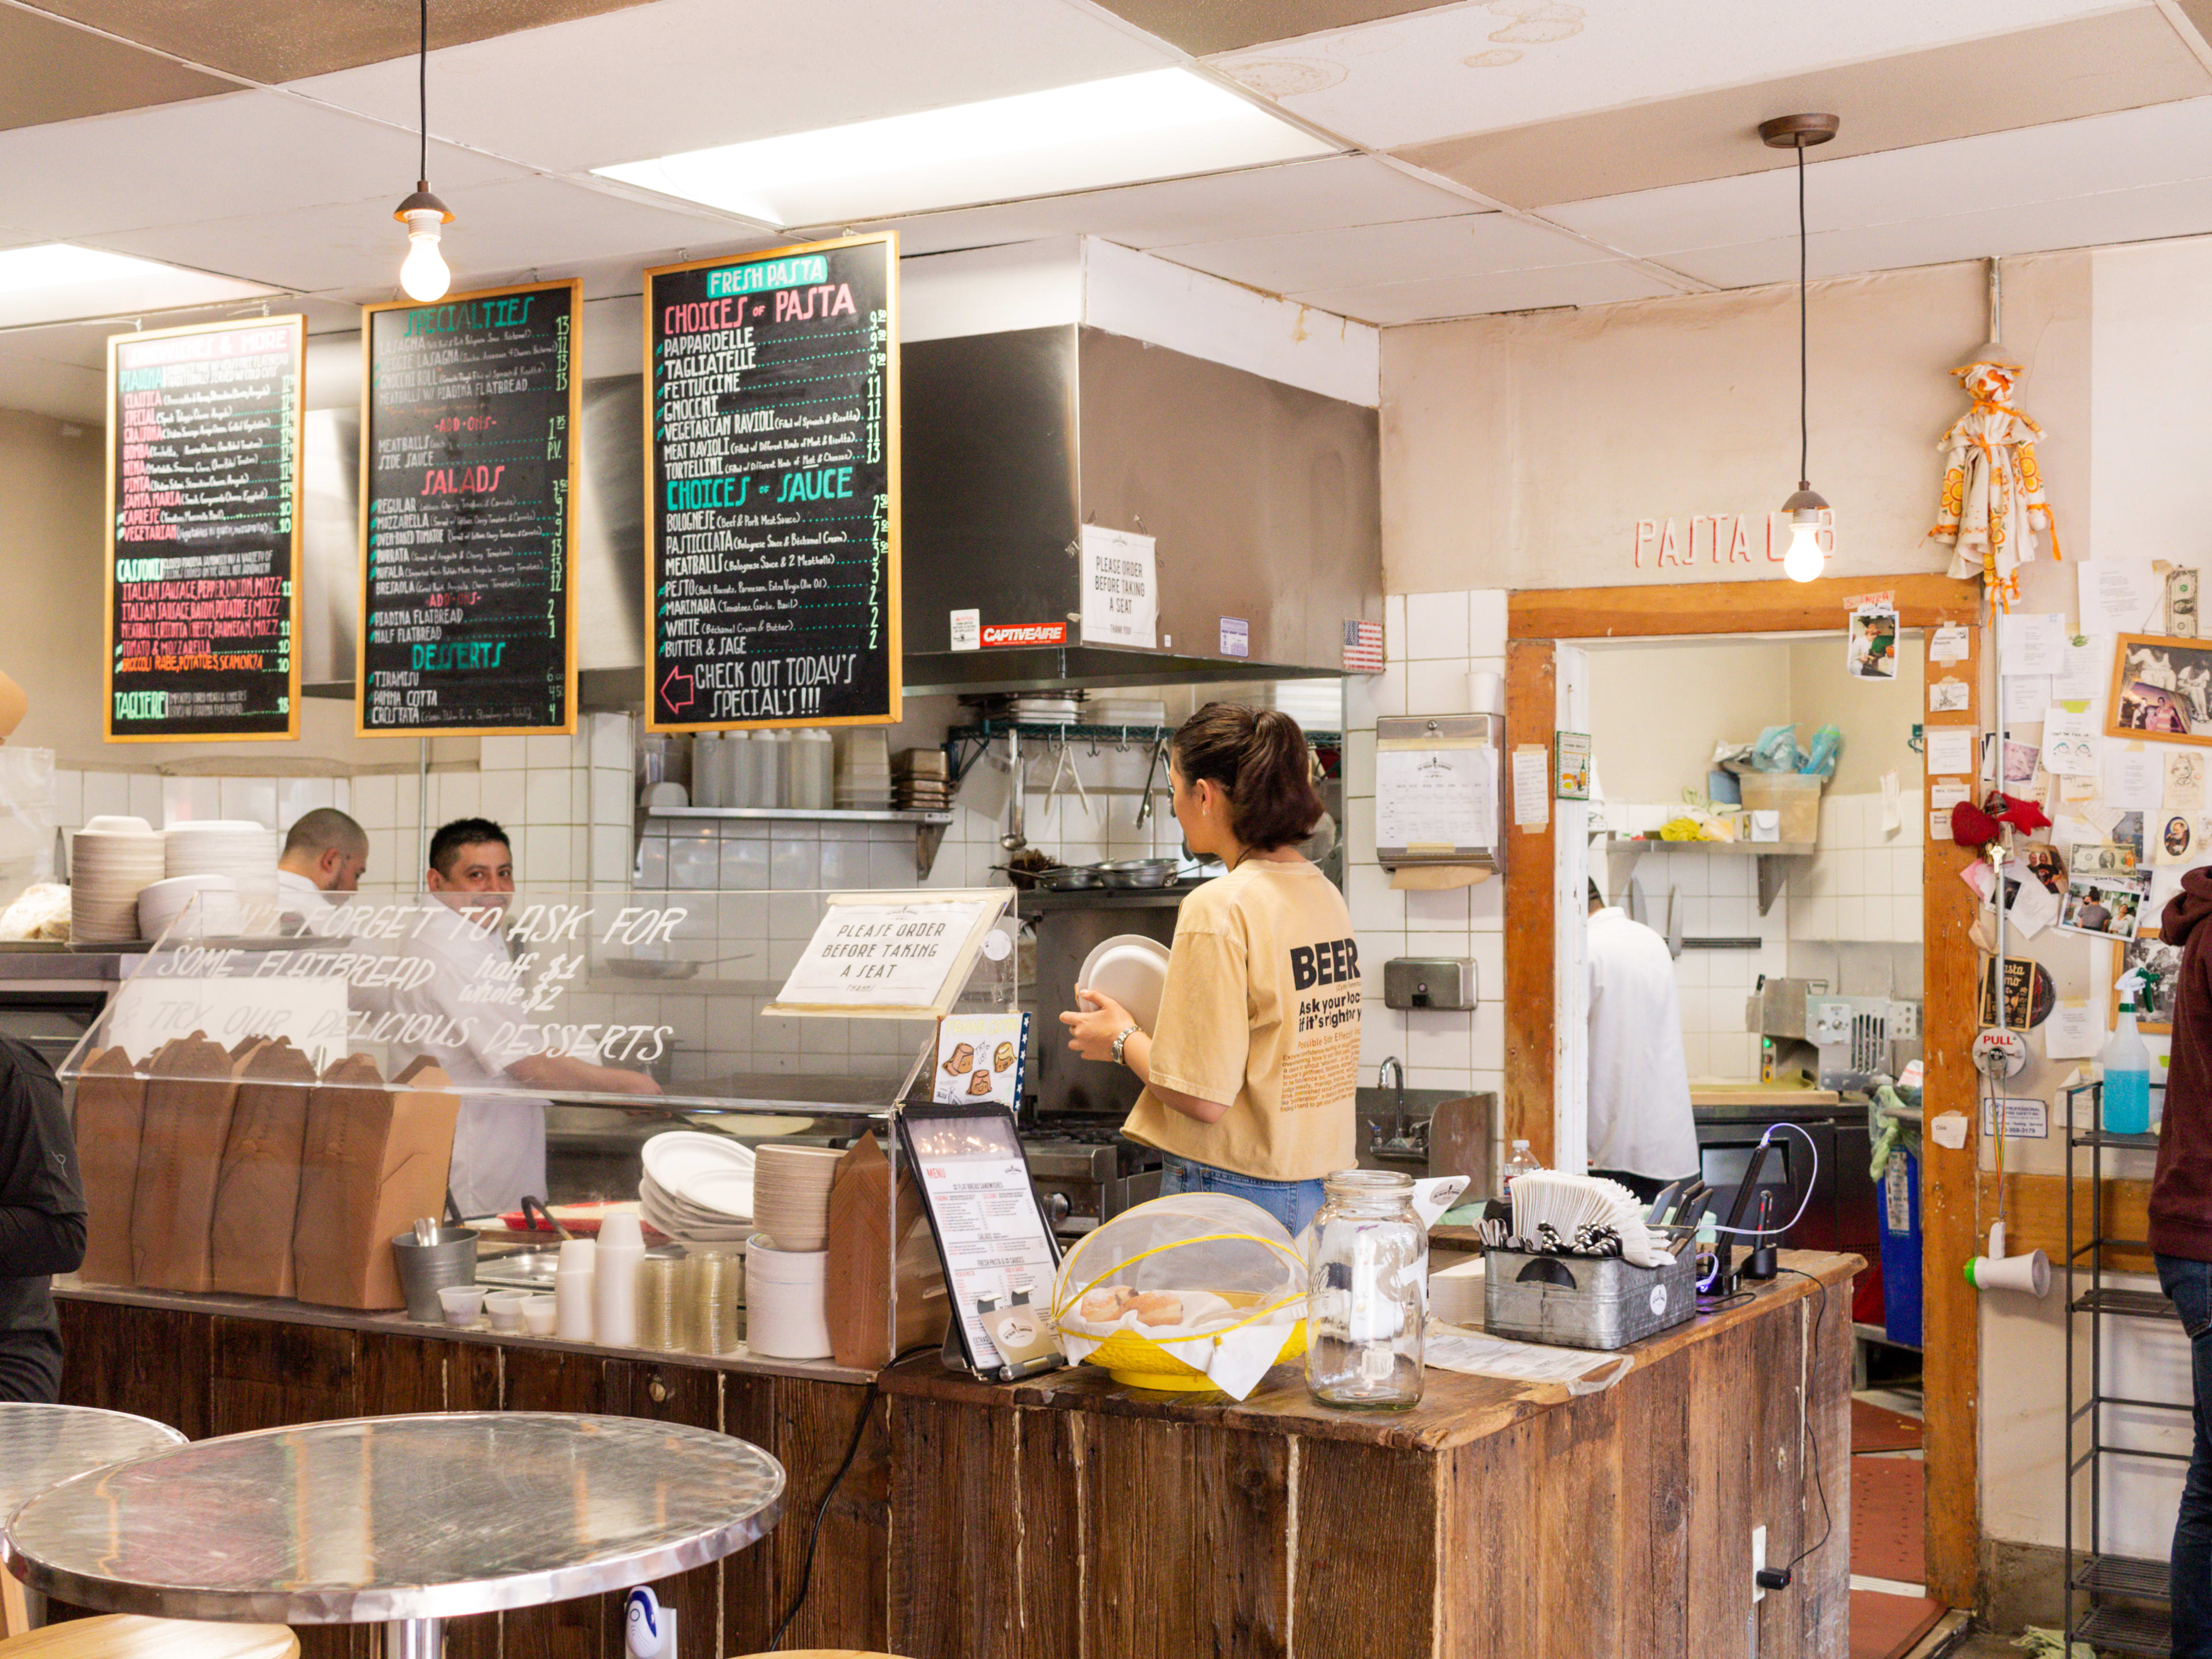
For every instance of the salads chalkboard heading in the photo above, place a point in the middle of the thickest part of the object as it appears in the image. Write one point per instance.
(204, 532)
(772, 570)
(468, 457)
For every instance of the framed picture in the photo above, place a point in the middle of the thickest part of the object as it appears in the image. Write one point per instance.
(2162, 688)
(2161, 963)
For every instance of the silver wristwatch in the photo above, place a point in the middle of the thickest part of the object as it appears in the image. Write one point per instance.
(1120, 1042)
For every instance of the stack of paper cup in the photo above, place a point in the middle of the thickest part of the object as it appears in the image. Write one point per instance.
(785, 1309)
(572, 1290)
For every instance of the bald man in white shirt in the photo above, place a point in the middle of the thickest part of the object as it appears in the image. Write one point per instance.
(1641, 1131)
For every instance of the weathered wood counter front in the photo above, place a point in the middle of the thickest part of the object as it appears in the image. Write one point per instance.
(1073, 1518)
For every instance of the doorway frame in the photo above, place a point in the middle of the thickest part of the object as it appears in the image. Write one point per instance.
(1538, 620)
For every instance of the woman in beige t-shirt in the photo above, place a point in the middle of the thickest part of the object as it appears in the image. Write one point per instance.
(1250, 1080)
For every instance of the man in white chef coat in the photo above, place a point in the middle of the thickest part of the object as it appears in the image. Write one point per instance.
(325, 855)
(1641, 1132)
(498, 1143)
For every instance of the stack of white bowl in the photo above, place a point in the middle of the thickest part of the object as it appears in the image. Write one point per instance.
(864, 770)
(111, 861)
(239, 848)
(791, 1195)
(698, 1187)
(220, 914)
(787, 1301)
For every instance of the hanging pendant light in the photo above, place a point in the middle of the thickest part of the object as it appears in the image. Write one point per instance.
(1804, 561)
(424, 275)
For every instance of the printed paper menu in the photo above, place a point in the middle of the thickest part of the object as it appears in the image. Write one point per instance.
(772, 574)
(467, 530)
(203, 531)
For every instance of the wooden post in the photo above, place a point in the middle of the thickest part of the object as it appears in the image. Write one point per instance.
(1531, 694)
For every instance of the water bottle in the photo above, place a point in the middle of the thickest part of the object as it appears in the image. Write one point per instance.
(1520, 1163)
(2126, 1066)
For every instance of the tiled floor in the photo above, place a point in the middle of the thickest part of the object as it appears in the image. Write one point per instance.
(1889, 1614)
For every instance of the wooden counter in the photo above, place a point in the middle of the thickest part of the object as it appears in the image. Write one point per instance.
(1074, 1518)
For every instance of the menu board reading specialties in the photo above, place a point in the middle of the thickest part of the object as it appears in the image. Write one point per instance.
(468, 459)
(203, 531)
(772, 580)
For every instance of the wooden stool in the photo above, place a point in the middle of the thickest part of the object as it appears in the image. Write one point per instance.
(126, 1636)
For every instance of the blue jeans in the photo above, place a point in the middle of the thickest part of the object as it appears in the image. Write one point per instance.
(2189, 1284)
(1293, 1203)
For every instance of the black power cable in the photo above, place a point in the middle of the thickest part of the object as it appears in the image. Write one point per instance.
(1804, 407)
(820, 1511)
(1778, 1578)
(422, 97)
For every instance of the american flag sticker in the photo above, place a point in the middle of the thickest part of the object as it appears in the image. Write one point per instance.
(1363, 647)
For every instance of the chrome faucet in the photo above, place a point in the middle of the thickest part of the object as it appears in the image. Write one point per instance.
(1391, 1074)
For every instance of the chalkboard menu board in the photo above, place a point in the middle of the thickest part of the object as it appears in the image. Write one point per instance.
(468, 481)
(771, 425)
(203, 531)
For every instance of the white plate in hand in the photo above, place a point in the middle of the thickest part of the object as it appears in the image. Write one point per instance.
(1131, 969)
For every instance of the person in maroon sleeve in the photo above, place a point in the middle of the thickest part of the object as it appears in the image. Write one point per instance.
(2181, 1240)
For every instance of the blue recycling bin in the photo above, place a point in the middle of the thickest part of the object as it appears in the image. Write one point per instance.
(1900, 1248)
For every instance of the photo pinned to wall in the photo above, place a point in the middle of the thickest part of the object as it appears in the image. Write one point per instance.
(2161, 687)
(2104, 908)
(2047, 863)
(2177, 838)
(2159, 964)
(2184, 782)
(1870, 650)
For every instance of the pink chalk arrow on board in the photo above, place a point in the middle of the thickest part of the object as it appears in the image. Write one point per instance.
(668, 689)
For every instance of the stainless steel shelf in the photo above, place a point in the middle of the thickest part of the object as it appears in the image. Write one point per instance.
(2123, 1575)
(2126, 1143)
(2125, 1630)
(801, 814)
(2131, 1304)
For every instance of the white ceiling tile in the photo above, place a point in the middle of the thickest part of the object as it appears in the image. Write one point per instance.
(684, 75)
(548, 223)
(2165, 142)
(212, 158)
(68, 392)
(1296, 195)
(1477, 67)
(1387, 303)
(2122, 216)
(1415, 250)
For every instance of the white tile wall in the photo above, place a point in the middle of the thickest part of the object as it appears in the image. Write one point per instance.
(1431, 642)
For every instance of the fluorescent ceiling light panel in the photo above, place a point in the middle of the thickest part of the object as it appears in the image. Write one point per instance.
(60, 282)
(1162, 124)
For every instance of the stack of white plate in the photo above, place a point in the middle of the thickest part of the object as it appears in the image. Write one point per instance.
(864, 771)
(111, 861)
(239, 848)
(1039, 710)
(697, 1186)
(791, 1195)
(1110, 710)
(219, 915)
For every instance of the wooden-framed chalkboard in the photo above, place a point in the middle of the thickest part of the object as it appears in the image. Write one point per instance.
(470, 412)
(202, 578)
(771, 488)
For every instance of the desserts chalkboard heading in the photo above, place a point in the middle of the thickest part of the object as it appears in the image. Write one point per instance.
(468, 481)
(772, 592)
(203, 531)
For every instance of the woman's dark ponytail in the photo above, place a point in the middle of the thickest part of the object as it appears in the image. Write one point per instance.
(1260, 758)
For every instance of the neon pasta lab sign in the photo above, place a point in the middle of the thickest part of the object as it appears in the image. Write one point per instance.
(1721, 538)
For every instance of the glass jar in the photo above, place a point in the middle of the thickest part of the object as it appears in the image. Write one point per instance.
(1368, 1295)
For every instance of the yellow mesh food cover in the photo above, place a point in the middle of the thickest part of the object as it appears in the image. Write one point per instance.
(1195, 1290)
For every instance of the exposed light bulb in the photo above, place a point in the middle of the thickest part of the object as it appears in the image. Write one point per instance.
(424, 275)
(1804, 562)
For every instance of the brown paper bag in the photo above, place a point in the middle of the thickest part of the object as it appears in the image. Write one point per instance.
(111, 1111)
(859, 1271)
(250, 1240)
(372, 1160)
(190, 1091)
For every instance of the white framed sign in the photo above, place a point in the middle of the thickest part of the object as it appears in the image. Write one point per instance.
(1121, 589)
(875, 955)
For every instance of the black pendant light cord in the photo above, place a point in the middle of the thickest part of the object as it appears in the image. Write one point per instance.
(423, 111)
(1803, 370)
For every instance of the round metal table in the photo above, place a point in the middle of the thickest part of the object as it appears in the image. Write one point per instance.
(400, 1521)
(42, 1446)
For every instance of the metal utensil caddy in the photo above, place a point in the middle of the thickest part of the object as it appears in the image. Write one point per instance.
(1584, 1301)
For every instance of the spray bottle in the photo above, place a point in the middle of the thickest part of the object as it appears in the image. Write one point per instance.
(2126, 1066)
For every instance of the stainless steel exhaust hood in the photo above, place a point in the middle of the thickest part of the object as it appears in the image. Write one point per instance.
(1265, 501)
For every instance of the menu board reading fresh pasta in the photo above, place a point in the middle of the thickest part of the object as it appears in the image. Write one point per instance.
(203, 531)
(468, 453)
(772, 578)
